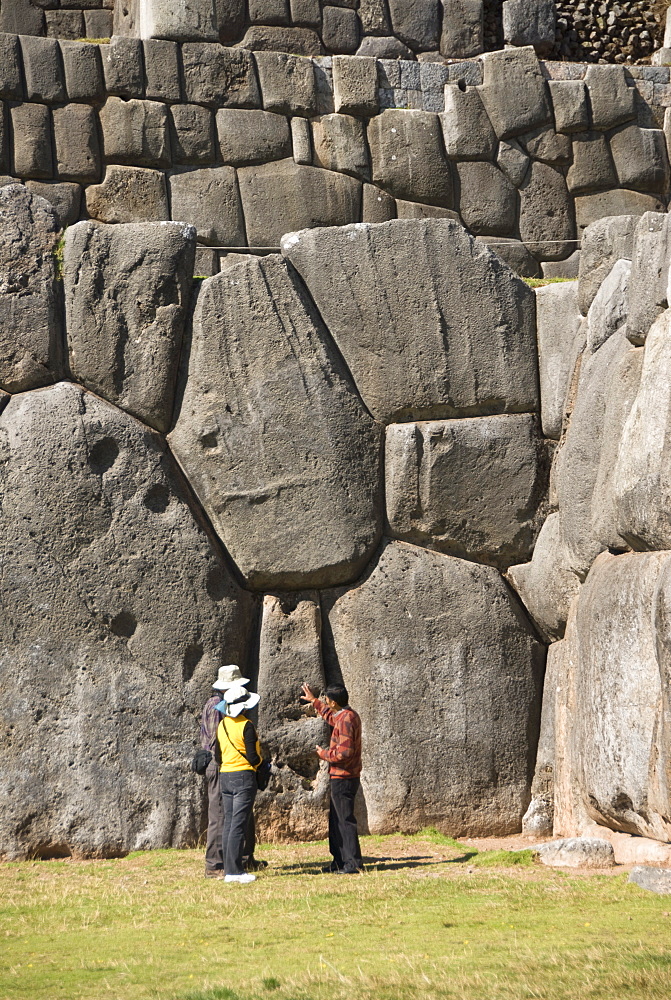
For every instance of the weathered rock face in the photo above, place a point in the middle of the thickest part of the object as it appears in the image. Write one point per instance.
(117, 611)
(295, 499)
(126, 293)
(289, 653)
(464, 724)
(557, 325)
(461, 294)
(616, 751)
(30, 322)
(472, 488)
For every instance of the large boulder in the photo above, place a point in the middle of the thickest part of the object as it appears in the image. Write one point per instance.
(577, 852)
(472, 349)
(273, 436)
(117, 610)
(546, 213)
(603, 243)
(296, 801)
(30, 323)
(557, 324)
(444, 668)
(126, 294)
(473, 488)
(282, 196)
(408, 157)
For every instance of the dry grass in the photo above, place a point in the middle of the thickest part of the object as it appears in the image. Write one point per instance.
(429, 921)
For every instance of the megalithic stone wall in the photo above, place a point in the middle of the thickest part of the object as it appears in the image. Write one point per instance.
(255, 530)
(248, 146)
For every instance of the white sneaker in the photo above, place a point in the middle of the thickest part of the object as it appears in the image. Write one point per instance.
(246, 877)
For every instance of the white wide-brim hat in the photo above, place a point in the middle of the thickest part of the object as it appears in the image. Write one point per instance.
(228, 676)
(236, 702)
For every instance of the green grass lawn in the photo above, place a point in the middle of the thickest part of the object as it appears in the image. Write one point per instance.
(427, 920)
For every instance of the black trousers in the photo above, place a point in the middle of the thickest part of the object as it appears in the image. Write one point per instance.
(214, 854)
(343, 835)
(238, 791)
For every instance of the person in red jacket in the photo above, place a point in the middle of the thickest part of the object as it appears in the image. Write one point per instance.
(344, 758)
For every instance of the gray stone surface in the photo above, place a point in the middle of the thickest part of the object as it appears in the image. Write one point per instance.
(193, 20)
(126, 293)
(467, 130)
(11, 84)
(592, 166)
(408, 158)
(22, 17)
(308, 14)
(377, 205)
(298, 41)
(355, 87)
(76, 143)
(487, 201)
(653, 879)
(424, 635)
(31, 131)
(643, 474)
(514, 91)
(538, 820)
(569, 103)
(64, 198)
(547, 585)
(161, 70)
(591, 207)
(415, 210)
(252, 136)
(462, 32)
(287, 83)
(135, 132)
(301, 141)
(513, 161)
(650, 256)
(529, 22)
(278, 197)
(122, 66)
(135, 607)
(547, 145)
(388, 47)
(340, 29)
(373, 15)
(472, 488)
(603, 242)
(577, 852)
(611, 100)
(415, 24)
(640, 157)
(567, 268)
(83, 69)
(546, 213)
(42, 68)
(30, 321)
(296, 803)
(339, 143)
(191, 134)
(513, 253)
(219, 77)
(128, 194)
(460, 292)
(557, 324)
(209, 199)
(609, 308)
(65, 24)
(295, 500)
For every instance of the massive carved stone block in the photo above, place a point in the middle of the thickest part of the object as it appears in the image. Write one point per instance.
(30, 321)
(442, 664)
(557, 323)
(296, 802)
(118, 608)
(472, 348)
(472, 488)
(278, 197)
(273, 436)
(126, 293)
(408, 158)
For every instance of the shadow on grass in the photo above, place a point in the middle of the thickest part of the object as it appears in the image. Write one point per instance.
(374, 864)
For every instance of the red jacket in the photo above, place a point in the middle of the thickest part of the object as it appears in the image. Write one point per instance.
(344, 753)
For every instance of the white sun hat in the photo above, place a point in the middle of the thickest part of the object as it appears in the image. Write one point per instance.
(228, 676)
(238, 699)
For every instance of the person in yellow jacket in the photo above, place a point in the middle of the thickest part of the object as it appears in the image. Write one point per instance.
(240, 754)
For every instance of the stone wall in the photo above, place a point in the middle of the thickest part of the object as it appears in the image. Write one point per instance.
(58, 18)
(249, 146)
(597, 584)
(197, 471)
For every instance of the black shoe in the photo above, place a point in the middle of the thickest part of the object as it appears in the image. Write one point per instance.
(254, 865)
(351, 869)
(332, 869)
